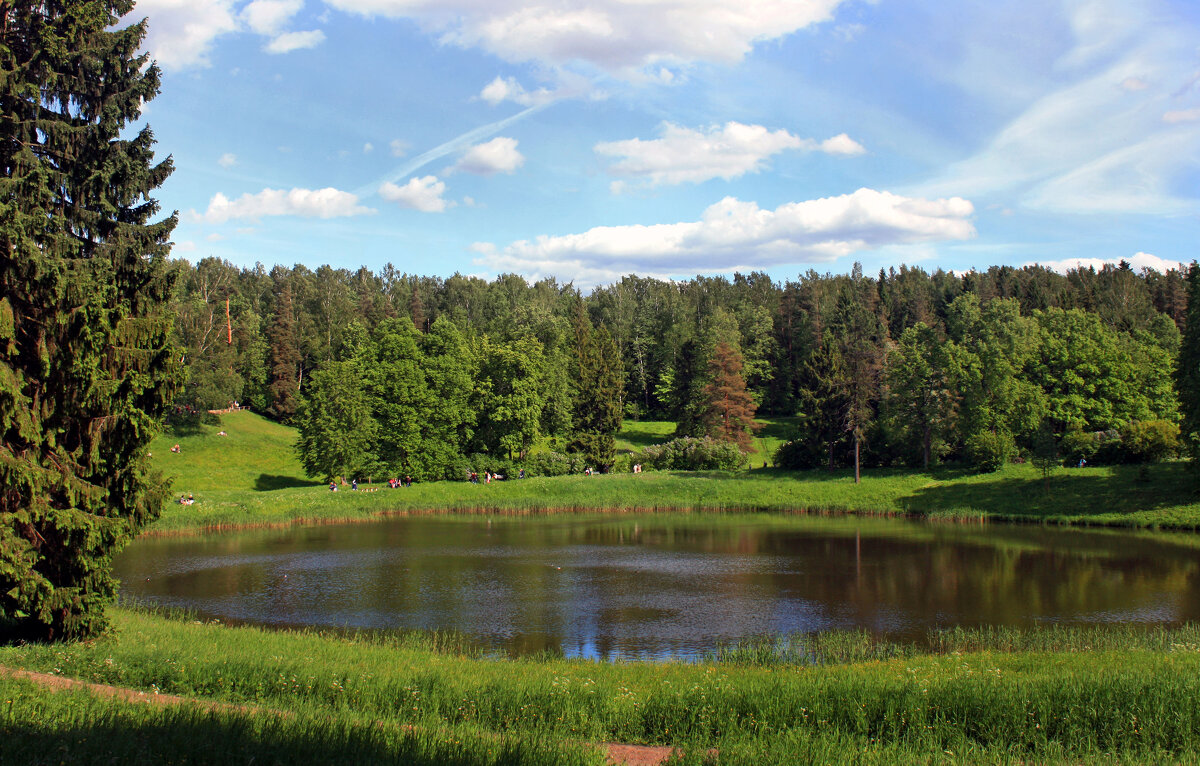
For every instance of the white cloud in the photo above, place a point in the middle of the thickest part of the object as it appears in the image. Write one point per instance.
(294, 41)
(305, 203)
(1139, 261)
(842, 144)
(181, 31)
(424, 194)
(508, 89)
(267, 17)
(738, 235)
(1181, 115)
(187, 246)
(727, 151)
(616, 35)
(1053, 155)
(499, 155)
(398, 148)
(368, 147)
(227, 160)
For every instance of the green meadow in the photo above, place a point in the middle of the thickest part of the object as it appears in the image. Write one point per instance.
(1108, 695)
(252, 476)
(1113, 695)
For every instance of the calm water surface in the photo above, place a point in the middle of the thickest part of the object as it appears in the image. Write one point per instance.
(662, 585)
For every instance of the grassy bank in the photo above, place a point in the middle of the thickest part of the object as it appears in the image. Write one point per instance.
(251, 476)
(1106, 695)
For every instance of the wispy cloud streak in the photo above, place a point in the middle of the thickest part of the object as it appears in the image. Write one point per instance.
(457, 144)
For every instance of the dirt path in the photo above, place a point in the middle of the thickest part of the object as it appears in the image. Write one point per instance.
(630, 755)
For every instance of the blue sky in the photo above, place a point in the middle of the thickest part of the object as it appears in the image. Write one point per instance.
(587, 139)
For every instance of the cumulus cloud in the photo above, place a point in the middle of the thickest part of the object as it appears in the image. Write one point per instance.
(499, 155)
(305, 203)
(733, 234)
(723, 151)
(294, 41)
(508, 89)
(181, 31)
(1139, 261)
(268, 17)
(614, 35)
(424, 194)
(227, 160)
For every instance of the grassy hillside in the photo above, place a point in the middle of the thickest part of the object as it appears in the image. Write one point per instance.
(251, 476)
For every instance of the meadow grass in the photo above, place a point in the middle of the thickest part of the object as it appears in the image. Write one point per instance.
(1095, 694)
(252, 477)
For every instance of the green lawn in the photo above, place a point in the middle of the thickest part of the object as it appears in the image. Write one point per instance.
(638, 434)
(251, 476)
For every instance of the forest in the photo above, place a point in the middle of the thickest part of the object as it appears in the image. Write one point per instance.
(392, 373)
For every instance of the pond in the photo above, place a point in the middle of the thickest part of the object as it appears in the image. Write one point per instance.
(666, 585)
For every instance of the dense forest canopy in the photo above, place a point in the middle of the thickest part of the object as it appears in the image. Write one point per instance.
(407, 373)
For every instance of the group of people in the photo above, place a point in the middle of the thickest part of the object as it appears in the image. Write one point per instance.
(186, 500)
(473, 477)
(405, 482)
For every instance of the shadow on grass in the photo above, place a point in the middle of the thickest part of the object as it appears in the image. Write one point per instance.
(641, 438)
(779, 428)
(1074, 493)
(177, 735)
(270, 482)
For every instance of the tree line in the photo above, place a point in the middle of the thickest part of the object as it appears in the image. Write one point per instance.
(409, 373)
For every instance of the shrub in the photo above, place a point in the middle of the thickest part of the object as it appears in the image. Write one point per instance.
(990, 450)
(1149, 441)
(553, 464)
(691, 454)
(1077, 444)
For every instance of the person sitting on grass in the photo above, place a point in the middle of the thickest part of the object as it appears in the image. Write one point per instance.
(333, 486)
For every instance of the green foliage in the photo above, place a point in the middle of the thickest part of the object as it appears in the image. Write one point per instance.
(990, 450)
(922, 396)
(554, 464)
(86, 364)
(337, 429)
(1187, 376)
(1149, 441)
(691, 454)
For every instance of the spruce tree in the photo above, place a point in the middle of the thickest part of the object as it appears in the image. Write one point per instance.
(1187, 374)
(86, 365)
(729, 410)
(284, 391)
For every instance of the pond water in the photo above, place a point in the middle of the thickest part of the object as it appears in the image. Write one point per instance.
(653, 586)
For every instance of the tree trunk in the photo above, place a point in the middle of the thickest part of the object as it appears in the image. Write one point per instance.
(856, 471)
(927, 443)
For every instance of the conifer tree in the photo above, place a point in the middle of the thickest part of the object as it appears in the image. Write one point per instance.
(729, 410)
(284, 391)
(1188, 369)
(86, 365)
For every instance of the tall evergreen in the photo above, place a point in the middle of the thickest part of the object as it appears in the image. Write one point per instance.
(86, 365)
(284, 391)
(1188, 368)
(729, 411)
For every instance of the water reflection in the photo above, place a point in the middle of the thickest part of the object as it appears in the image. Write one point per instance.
(667, 585)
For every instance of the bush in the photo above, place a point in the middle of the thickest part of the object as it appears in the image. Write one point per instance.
(482, 463)
(690, 454)
(990, 450)
(1077, 444)
(553, 464)
(1149, 441)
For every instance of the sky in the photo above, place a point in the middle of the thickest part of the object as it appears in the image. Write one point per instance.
(589, 139)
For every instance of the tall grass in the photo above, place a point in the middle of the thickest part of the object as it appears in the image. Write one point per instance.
(1140, 697)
